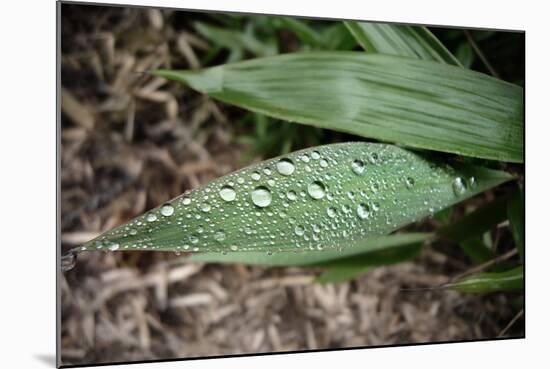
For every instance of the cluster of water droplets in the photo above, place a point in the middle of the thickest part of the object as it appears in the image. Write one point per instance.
(311, 199)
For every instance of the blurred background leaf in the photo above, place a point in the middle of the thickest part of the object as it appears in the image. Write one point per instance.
(410, 41)
(511, 280)
(516, 214)
(377, 96)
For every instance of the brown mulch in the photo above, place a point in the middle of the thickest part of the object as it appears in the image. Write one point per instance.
(131, 141)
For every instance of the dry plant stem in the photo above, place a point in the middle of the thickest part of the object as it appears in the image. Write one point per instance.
(485, 265)
(512, 322)
(479, 53)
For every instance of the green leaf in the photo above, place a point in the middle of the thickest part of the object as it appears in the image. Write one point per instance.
(360, 253)
(410, 41)
(516, 214)
(338, 37)
(476, 249)
(341, 270)
(511, 280)
(304, 32)
(339, 274)
(477, 222)
(417, 103)
(444, 215)
(321, 197)
(465, 54)
(344, 269)
(236, 41)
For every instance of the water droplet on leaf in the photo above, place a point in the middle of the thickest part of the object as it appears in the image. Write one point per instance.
(358, 166)
(285, 167)
(331, 212)
(316, 190)
(167, 210)
(219, 236)
(459, 186)
(68, 261)
(261, 196)
(227, 193)
(363, 211)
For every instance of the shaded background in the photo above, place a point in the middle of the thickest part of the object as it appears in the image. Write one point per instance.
(131, 141)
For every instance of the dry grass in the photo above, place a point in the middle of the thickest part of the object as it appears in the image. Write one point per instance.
(131, 141)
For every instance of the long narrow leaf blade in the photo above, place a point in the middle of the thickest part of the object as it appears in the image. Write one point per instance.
(417, 103)
(304, 32)
(363, 252)
(411, 41)
(516, 214)
(235, 40)
(341, 270)
(477, 222)
(326, 196)
(511, 280)
(339, 274)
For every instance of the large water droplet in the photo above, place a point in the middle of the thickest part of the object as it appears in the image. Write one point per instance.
(331, 212)
(316, 190)
(473, 182)
(114, 246)
(68, 261)
(206, 207)
(234, 247)
(373, 158)
(357, 166)
(219, 236)
(363, 211)
(285, 167)
(315, 155)
(291, 195)
(323, 163)
(167, 210)
(255, 176)
(261, 196)
(151, 217)
(409, 182)
(299, 230)
(459, 186)
(227, 193)
(186, 201)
